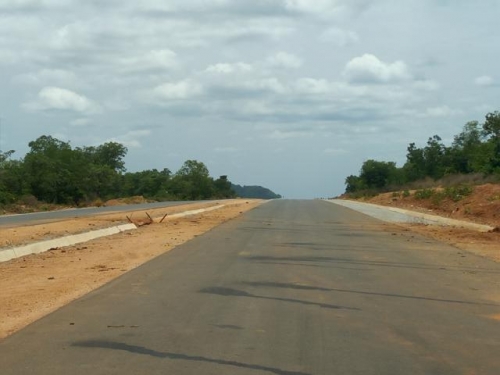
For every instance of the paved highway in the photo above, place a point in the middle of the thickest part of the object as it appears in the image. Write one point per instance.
(290, 288)
(27, 219)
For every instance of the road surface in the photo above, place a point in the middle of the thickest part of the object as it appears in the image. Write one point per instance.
(36, 217)
(290, 288)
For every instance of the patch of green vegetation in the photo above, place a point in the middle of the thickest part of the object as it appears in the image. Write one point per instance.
(424, 193)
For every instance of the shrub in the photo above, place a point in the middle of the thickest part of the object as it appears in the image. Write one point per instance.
(457, 193)
(424, 193)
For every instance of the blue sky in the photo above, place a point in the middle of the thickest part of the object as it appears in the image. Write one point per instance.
(290, 94)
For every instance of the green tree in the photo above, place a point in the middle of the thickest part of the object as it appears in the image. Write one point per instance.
(48, 169)
(192, 181)
(491, 129)
(223, 188)
(377, 174)
(469, 153)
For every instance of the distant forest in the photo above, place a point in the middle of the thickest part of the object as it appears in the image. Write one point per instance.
(54, 172)
(475, 150)
(254, 192)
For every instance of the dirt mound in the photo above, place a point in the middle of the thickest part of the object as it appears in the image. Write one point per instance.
(479, 204)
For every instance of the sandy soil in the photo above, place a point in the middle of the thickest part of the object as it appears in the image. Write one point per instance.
(482, 206)
(33, 286)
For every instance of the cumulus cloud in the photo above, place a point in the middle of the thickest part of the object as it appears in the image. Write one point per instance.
(178, 90)
(312, 86)
(284, 60)
(50, 77)
(152, 60)
(325, 8)
(484, 81)
(225, 68)
(56, 98)
(131, 139)
(369, 69)
(339, 37)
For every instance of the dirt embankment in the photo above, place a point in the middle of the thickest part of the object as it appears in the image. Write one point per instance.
(479, 204)
(35, 285)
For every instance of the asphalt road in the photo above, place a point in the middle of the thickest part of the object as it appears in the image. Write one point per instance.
(290, 288)
(36, 217)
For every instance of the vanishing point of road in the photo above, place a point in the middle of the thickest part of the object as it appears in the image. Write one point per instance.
(289, 288)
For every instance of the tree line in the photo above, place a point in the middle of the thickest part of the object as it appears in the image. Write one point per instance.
(54, 172)
(476, 149)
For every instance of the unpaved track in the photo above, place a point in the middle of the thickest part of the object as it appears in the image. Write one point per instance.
(289, 288)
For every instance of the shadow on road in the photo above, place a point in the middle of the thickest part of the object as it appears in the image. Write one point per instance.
(113, 345)
(379, 263)
(229, 292)
(306, 287)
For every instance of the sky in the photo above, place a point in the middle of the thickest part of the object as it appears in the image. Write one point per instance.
(293, 95)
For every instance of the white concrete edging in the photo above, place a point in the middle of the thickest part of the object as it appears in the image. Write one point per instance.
(42, 246)
(399, 215)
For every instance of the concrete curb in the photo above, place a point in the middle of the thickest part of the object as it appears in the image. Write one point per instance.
(42, 246)
(399, 215)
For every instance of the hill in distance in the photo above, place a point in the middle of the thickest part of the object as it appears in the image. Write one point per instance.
(257, 192)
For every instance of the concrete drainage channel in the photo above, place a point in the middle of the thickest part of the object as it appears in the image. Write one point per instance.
(42, 246)
(398, 215)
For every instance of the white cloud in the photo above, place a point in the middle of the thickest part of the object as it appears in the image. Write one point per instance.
(441, 111)
(339, 37)
(79, 122)
(266, 84)
(284, 60)
(56, 98)
(178, 90)
(312, 86)
(151, 60)
(369, 69)
(484, 81)
(50, 77)
(225, 68)
(287, 134)
(132, 138)
(426, 85)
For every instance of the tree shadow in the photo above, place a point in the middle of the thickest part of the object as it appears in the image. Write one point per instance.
(379, 263)
(229, 292)
(113, 345)
(393, 295)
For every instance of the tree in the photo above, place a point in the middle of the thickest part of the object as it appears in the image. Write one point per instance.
(48, 170)
(223, 188)
(192, 181)
(377, 174)
(468, 151)
(434, 159)
(414, 168)
(491, 128)
(353, 184)
(111, 154)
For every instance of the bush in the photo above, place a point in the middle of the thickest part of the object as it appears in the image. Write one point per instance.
(457, 193)
(424, 193)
